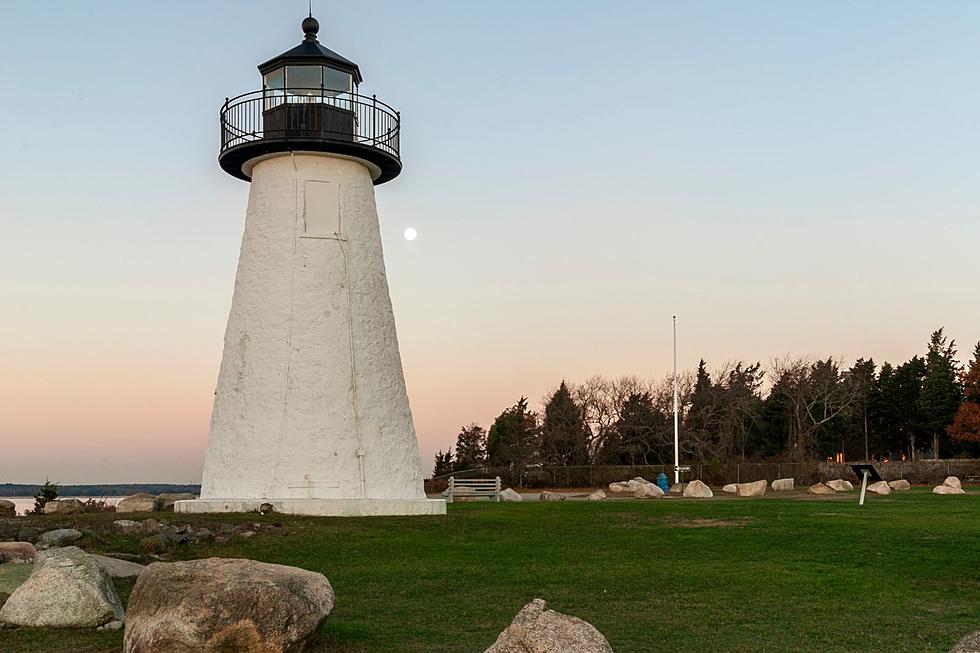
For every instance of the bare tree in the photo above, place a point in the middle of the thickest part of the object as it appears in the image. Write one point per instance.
(815, 393)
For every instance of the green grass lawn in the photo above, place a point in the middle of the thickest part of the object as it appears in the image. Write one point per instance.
(773, 574)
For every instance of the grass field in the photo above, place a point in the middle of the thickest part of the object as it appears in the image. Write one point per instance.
(749, 575)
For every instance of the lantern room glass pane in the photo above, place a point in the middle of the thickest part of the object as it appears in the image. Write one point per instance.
(274, 84)
(335, 82)
(303, 80)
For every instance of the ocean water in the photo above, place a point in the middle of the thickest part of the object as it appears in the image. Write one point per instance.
(23, 504)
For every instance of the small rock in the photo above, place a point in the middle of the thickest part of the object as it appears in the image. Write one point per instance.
(952, 481)
(820, 488)
(7, 508)
(677, 489)
(783, 485)
(969, 644)
(17, 552)
(539, 630)
(648, 491)
(141, 502)
(118, 568)
(167, 500)
(551, 496)
(67, 589)
(112, 625)
(598, 495)
(754, 489)
(63, 507)
(900, 485)
(126, 525)
(226, 605)
(731, 488)
(947, 489)
(840, 485)
(248, 534)
(698, 490)
(58, 537)
(150, 527)
(202, 536)
(880, 488)
(510, 496)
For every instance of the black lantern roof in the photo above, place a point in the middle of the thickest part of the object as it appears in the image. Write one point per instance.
(310, 52)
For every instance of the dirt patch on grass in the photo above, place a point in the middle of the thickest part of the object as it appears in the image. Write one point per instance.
(699, 522)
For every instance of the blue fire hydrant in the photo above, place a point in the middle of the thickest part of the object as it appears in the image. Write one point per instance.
(662, 482)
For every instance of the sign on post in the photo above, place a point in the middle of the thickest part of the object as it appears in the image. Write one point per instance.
(865, 472)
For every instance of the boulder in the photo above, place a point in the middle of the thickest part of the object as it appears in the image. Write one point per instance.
(731, 488)
(509, 495)
(783, 485)
(946, 489)
(648, 491)
(150, 527)
(551, 496)
(118, 568)
(952, 481)
(17, 552)
(58, 537)
(753, 489)
(840, 485)
(218, 604)
(141, 502)
(68, 589)
(598, 495)
(620, 487)
(63, 507)
(697, 490)
(7, 508)
(126, 525)
(636, 483)
(969, 644)
(880, 487)
(167, 500)
(900, 485)
(677, 488)
(536, 629)
(820, 488)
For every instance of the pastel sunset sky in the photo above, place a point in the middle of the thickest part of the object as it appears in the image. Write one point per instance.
(785, 177)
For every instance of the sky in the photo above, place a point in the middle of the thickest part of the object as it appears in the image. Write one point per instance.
(784, 177)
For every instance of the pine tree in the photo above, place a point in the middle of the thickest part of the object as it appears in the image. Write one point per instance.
(48, 492)
(966, 424)
(514, 437)
(564, 434)
(941, 393)
(443, 463)
(471, 447)
(861, 376)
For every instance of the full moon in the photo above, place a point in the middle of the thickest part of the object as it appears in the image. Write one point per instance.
(411, 234)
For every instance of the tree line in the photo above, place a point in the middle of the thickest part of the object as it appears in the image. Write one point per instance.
(794, 409)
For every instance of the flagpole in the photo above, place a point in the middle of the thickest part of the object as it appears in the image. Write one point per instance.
(677, 461)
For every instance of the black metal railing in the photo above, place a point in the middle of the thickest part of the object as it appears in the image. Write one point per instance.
(308, 114)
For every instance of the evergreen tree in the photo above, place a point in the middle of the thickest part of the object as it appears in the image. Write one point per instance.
(861, 376)
(471, 447)
(48, 492)
(443, 464)
(966, 424)
(564, 434)
(644, 435)
(941, 393)
(513, 437)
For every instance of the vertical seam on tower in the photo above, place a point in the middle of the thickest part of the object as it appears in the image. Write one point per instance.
(353, 363)
(289, 323)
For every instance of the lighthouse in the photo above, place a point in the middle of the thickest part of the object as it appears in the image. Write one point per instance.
(311, 414)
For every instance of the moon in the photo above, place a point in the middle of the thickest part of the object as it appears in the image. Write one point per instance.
(411, 234)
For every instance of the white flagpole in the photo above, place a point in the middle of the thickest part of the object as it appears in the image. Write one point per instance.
(677, 460)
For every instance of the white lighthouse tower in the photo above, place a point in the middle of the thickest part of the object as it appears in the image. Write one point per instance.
(311, 414)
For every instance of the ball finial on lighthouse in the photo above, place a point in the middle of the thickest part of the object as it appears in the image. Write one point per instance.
(311, 413)
(311, 26)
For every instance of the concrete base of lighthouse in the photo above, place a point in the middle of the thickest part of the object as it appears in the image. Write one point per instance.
(319, 507)
(311, 414)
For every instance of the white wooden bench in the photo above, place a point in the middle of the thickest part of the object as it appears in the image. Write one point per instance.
(473, 487)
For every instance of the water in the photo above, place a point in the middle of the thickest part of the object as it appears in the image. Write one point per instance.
(23, 504)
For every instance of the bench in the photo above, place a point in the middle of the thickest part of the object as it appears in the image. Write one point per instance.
(473, 487)
(971, 479)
